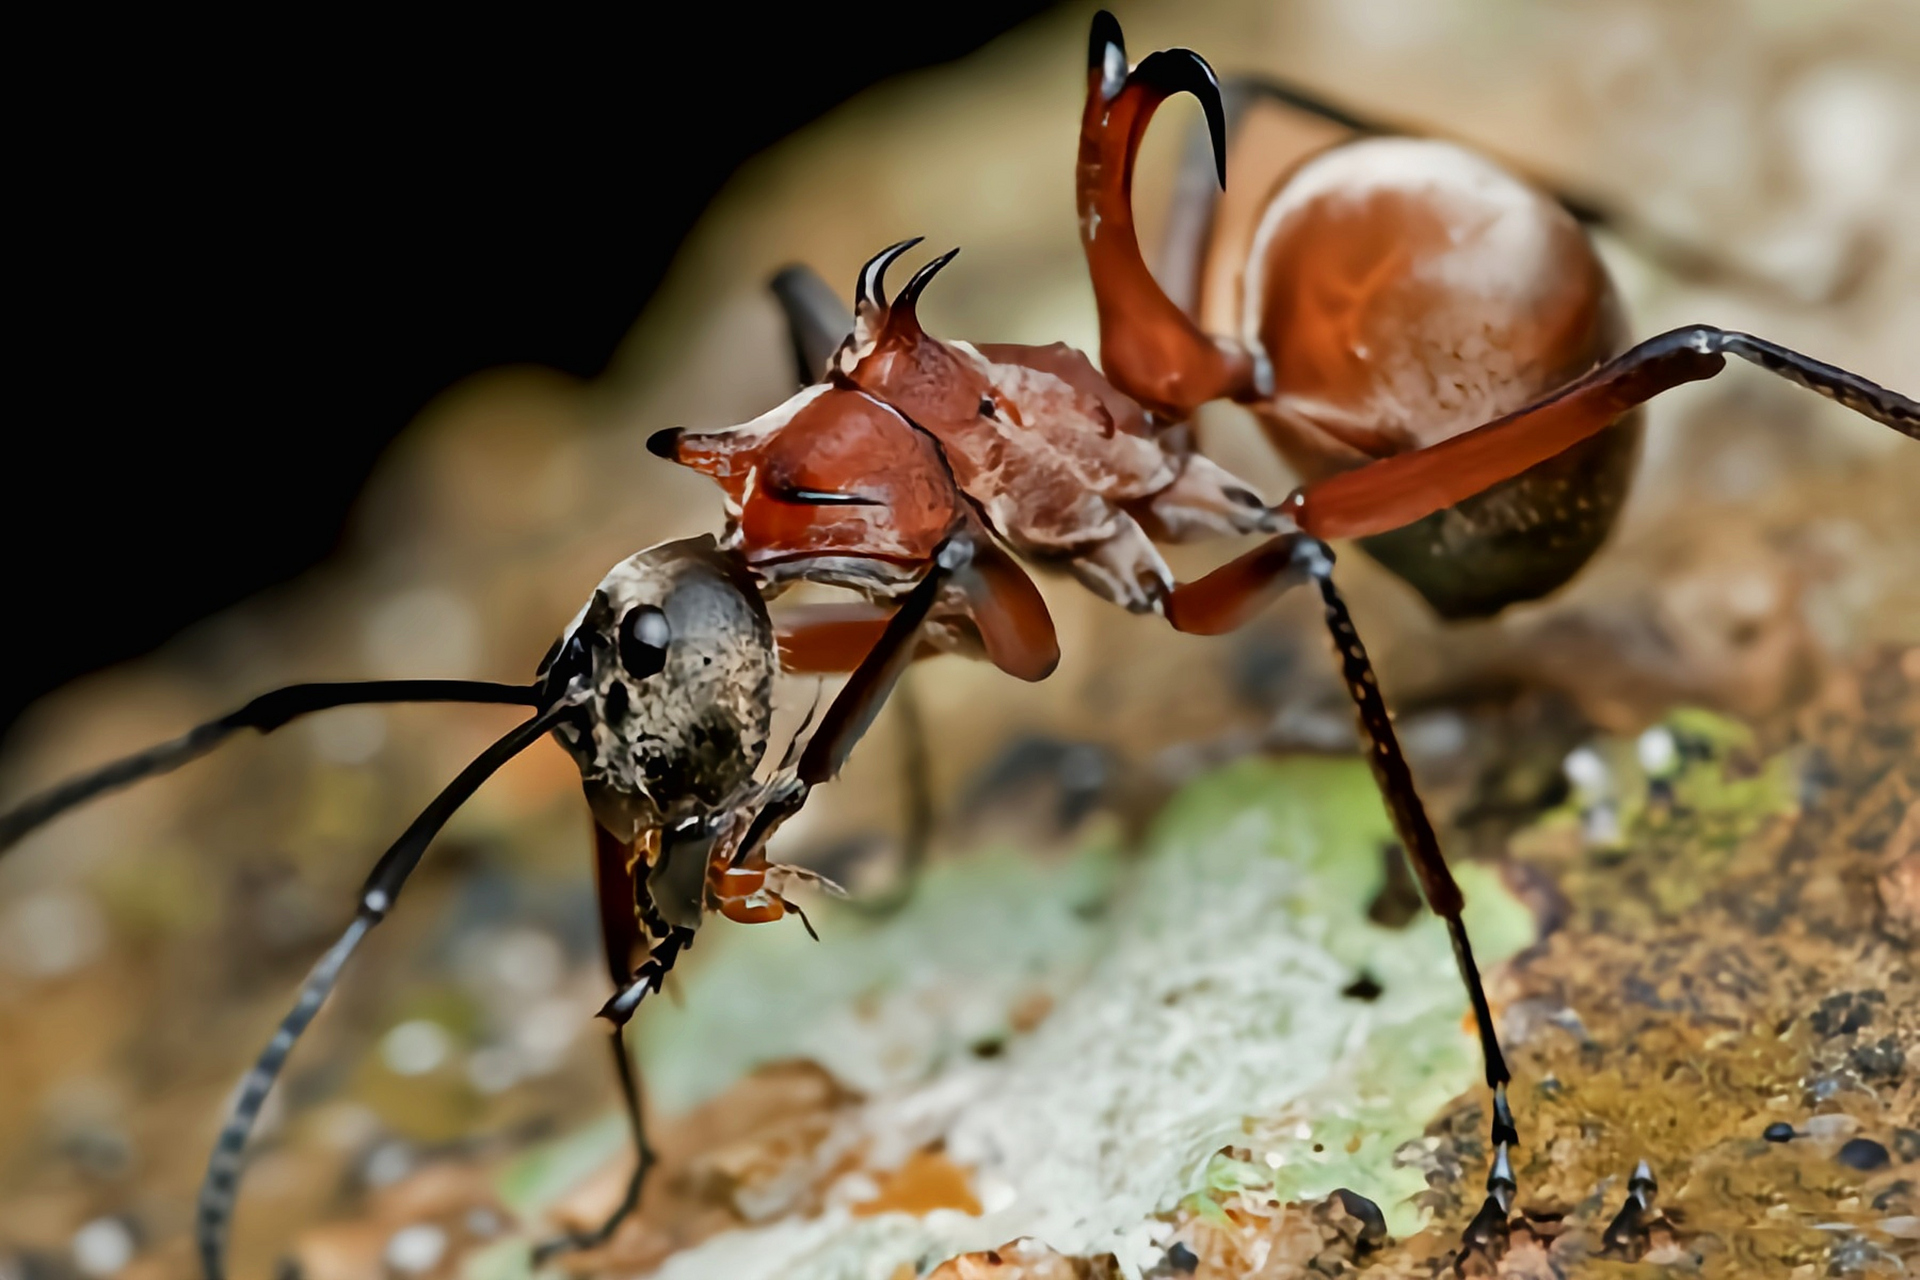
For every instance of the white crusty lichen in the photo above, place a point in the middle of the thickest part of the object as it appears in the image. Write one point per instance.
(1198, 1034)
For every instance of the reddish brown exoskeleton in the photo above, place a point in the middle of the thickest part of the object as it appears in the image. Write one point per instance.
(1430, 341)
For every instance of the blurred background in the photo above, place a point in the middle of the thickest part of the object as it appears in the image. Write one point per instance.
(365, 212)
(346, 349)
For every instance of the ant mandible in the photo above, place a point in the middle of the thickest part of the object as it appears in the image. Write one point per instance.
(661, 689)
(1431, 342)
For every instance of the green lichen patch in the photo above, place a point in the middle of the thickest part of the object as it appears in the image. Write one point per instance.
(1720, 967)
(1196, 1025)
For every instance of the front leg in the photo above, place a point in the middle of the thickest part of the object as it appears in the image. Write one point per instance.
(641, 949)
(834, 639)
(644, 1156)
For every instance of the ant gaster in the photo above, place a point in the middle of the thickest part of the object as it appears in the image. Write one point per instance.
(1431, 342)
(661, 689)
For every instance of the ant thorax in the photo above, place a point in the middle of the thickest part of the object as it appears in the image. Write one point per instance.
(674, 653)
(855, 480)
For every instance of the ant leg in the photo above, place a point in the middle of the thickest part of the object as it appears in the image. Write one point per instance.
(620, 1010)
(641, 948)
(1399, 490)
(1229, 597)
(830, 639)
(220, 1187)
(1148, 347)
(1007, 609)
(1626, 1235)
(1015, 628)
(265, 713)
(644, 1161)
(852, 711)
(817, 321)
(1443, 894)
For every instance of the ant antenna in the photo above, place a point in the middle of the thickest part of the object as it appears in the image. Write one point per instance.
(265, 713)
(220, 1187)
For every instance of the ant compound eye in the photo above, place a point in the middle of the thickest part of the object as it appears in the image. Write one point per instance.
(644, 634)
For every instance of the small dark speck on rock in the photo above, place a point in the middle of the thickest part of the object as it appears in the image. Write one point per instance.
(1854, 1255)
(1846, 1013)
(1894, 1197)
(1374, 1223)
(1778, 1131)
(1182, 1260)
(1906, 1144)
(1863, 1153)
(1882, 1061)
(1363, 988)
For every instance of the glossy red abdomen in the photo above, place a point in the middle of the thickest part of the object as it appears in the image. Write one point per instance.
(1404, 291)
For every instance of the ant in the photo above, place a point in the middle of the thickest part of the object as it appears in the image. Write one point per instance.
(661, 689)
(1432, 343)
(905, 469)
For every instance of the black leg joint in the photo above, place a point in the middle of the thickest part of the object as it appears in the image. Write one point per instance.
(1504, 1131)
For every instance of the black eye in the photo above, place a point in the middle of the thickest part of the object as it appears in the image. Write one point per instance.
(986, 406)
(643, 641)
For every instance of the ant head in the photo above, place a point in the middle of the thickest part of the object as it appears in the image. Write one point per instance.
(675, 656)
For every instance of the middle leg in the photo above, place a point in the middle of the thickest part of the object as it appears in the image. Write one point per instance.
(1409, 816)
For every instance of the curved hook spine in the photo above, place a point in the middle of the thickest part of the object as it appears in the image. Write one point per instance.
(870, 286)
(1172, 71)
(910, 296)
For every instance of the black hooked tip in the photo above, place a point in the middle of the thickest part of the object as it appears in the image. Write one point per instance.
(1172, 71)
(1107, 53)
(870, 285)
(910, 295)
(665, 444)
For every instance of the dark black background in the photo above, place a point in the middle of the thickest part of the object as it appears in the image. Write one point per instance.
(251, 255)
